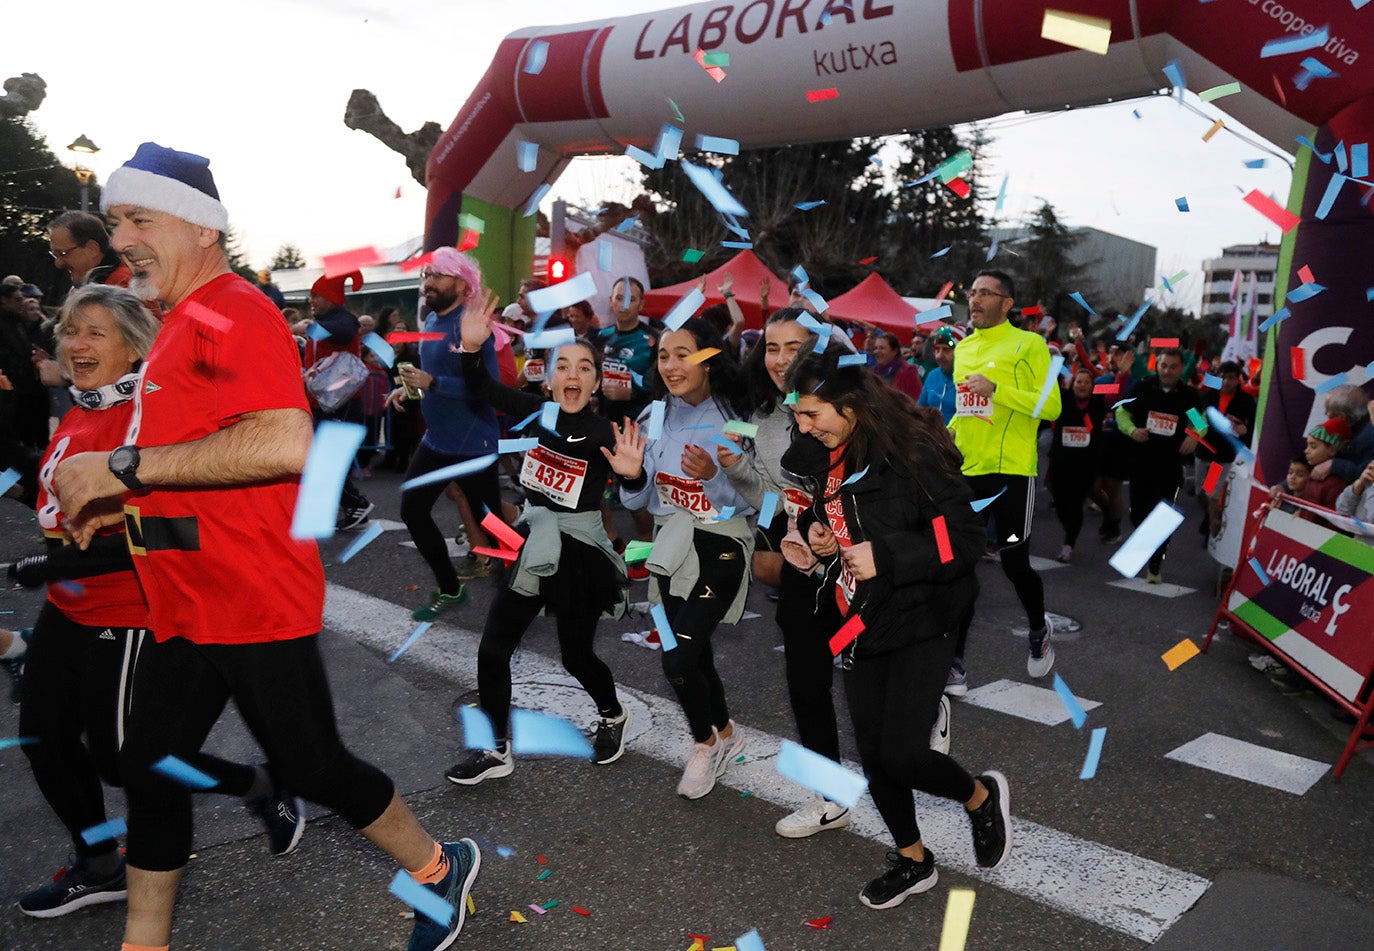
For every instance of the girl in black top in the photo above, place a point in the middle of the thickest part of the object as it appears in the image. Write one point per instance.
(892, 521)
(1075, 456)
(567, 566)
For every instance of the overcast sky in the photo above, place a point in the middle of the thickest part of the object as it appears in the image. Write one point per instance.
(260, 89)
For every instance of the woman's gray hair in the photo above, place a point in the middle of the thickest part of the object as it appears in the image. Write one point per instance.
(1349, 402)
(137, 327)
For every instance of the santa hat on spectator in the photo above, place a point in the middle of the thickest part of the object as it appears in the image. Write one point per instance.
(949, 335)
(332, 288)
(163, 179)
(1335, 431)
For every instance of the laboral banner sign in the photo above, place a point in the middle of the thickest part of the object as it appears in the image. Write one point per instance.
(1315, 599)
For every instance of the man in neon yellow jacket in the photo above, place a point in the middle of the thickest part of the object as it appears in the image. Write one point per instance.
(1005, 388)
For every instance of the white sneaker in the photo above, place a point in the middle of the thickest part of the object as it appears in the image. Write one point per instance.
(1039, 666)
(699, 777)
(731, 748)
(939, 733)
(816, 816)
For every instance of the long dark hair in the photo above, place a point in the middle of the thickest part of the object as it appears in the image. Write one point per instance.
(887, 423)
(722, 370)
(760, 390)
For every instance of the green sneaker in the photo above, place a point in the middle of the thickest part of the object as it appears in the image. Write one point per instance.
(438, 604)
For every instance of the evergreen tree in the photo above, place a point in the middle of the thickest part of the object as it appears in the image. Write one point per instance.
(1046, 271)
(287, 258)
(234, 252)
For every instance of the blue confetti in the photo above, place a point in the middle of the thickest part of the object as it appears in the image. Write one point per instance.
(504, 446)
(532, 205)
(385, 354)
(449, 473)
(1303, 292)
(535, 59)
(424, 901)
(1076, 712)
(548, 417)
(1174, 70)
(525, 422)
(713, 191)
(184, 773)
(1211, 381)
(650, 160)
(477, 731)
(317, 500)
(414, 636)
(1094, 753)
(665, 630)
(1084, 304)
(820, 774)
(1255, 163)
(817, 301)
(505, 851)
(526, 155)
(942, 252)
(741, 245)
(361, 542)
(856, 476)
(1330, 384)
(1359, 160)
(104, 832)
(1274, 318)
(1181, 203)
(749, 942)
(625, 226)
(1333, 188)
(1149, 535)
(316, 331)
(1295, 44)
(979, 504)
(686, 306)
(808, 205)
(1259, 571)
(565, 294)
(9, 741)
(770, 505)
(853, 360)
(604, 253)
(1051, 380)
(550, 339)
(714, 143)
(8, 479)
(656, 410)
(935, 314)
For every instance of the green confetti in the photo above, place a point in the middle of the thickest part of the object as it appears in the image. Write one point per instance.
(677, 112)
(637, 551)
(692, 255)
(716, 59)
(550, 904)
(790, 399)
(1216, 92)
(741, 428)
(469, 222)
(545, 874)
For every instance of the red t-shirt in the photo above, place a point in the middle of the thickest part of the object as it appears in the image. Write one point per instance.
(114, 599)
(218, 564)
(834, 513)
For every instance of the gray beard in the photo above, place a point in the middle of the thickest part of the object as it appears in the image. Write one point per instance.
(145, 289)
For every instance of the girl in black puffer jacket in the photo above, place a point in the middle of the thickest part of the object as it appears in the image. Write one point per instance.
(892, 524)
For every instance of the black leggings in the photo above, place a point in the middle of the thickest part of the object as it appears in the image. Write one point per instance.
(806, 631)
(77, 681)
(893, 702)
(482, 489)
(282, 693)
(691, 666)
(1149, 487)
(510, 617)
(1070, 480)
(1012, 514)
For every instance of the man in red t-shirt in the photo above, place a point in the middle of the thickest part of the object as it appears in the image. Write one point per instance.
(209, 477)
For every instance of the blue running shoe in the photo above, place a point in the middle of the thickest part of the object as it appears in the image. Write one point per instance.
(464, 859)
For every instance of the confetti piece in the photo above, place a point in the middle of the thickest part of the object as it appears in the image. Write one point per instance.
(676, 111)
(1181, 203)
(954, 166)
(820, 924)
(1209, 484)
(1094, 753)
(532, 205)
(446, 474)
(820, 774)
(1277, 316)
(1158, 526)
(712, 190)
(656, 410)
(1299, 361)
(1174, 70)
(537, 909)
(7, 742)
(1090, 33)
(550, 339)
(692, 255)
(385, 354)
(1359, 160)
(526, 155)
(184, 773)
(1259, 571)
(582, 911)
(741, 428)
(856, 476)
(817, 301)
(853, 360)
(637, 551)
(545, 874)
(790, 399)
(1272, 210)
(1182, 652)
(1076, 712)
(216, 322)
(424, 901)
(665, 630)
(104, 831)
(717, 144)
(414, 636)
(749, 942)
(820, 95)
(362, 541)
(979, 504)
(1330, 384)
(1211, 381)
(941, 253)
(992, 251)
(942, 539)
(345, 262)
(548, 417)
(729, 446)
(542, 860)
(1305, 275)
(1255, 163)
(959, 187)
(8, 479)
(742, 245)
(504, 446)
(1077, 297)
(477, 733)
(686, 306)
(317, 500)
(1295, 44)
(317, 331)
(1216, 127)
(841, 639)
(536, 57)
(808, 205)
(701, 356)
(542, 734)
(1163, 343)
(503, 533)
(548, 299)
(399, 337)
(1333, 189)
(770, 505)
(1051, 380)
(1002, 192)
(958, 914)
(1217, 92)
(715, 72)
(1106, 389)
(935, 315)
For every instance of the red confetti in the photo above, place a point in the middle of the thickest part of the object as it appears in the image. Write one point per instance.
(699, 937)
(337, 265)
(582, 911)
(820, 923)
(1164, 343)
(411, 336)
(869, 260)
(1305, 273)
(1088, 423)
(820, 95)
(715, 72)
(542, 860)
(502, 532)
(503, 553)
(1030, 311)
(414, 264)
(959, 187)
(469, 240)
(1198, 436)
(1272, 210)
(948, 286)
(842, 638)
(1151, 364)
(1299, 358)
(1213, 475)
(1278, 88)
(1255, 363)
(1107, 389)
(942, 539)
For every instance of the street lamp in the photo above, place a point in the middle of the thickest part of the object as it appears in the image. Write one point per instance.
(84, 146)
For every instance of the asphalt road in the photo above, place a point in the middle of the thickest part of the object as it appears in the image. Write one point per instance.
(1151, 850)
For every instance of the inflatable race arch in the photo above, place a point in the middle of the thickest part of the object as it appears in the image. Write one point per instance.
(901, 65)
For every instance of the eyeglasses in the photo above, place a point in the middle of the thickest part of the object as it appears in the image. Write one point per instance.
(426, 274)
(63, 253)
(981, 292)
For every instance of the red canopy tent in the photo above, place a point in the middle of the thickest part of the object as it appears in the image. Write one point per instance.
(748, 271)
(874, 301)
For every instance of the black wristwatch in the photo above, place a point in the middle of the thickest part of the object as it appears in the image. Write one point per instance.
(124, 464)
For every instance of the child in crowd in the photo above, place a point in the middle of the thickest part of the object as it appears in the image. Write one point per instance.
(1323, 443)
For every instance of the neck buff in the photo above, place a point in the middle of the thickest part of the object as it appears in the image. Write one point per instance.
(112, 394)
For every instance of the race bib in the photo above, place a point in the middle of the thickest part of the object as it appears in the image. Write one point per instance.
(844, 587)
(1161, 424)
(794, 502)
(1075, 437)
(969, 403)
(686, 494)
(616, 374)
(557, 477)
(534, 370)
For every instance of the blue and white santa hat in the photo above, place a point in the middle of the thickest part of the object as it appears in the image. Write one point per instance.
(163, 179)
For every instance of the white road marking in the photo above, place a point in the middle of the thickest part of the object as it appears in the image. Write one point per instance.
(1248, 761)
(1112, 888)
(455, 550)
(1037, 704)
(1162, 590)
(1045, 564)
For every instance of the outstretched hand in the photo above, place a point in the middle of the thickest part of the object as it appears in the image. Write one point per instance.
(627, 461)
(477, 318)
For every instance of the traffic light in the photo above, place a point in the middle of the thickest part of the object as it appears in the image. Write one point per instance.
(559, 269)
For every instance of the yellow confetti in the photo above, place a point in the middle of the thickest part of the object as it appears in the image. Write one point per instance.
(701, 356)
(958, 913)
(472, 908)
(1216, 127)
(1076, 29)
(1182, 652)
(517, 917)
